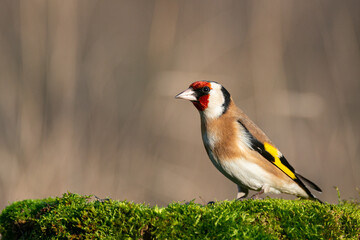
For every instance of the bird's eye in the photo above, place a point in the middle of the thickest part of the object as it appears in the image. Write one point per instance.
(206, 89)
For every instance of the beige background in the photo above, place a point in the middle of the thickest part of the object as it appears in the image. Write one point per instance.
(87, 93)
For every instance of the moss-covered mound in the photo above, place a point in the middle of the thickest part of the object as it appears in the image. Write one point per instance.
(76, 217)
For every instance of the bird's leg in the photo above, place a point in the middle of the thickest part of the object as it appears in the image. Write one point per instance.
(101, 199)
(240, 196)
(256, 195)
(264, 189)
(242, 193)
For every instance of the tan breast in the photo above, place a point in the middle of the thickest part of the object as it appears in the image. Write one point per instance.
(222, 134)
(223, 137)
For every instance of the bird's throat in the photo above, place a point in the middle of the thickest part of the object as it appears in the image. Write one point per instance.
(202, 104)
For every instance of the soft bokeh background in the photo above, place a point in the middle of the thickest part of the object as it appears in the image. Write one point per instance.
(87, 93)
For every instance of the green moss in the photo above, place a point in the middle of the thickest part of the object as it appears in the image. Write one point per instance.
(76, 217)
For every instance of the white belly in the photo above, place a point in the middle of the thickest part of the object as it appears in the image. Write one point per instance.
(245, 173)
(252, 176)
(241, 172)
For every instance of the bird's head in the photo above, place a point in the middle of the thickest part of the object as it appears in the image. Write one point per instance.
(210, 98)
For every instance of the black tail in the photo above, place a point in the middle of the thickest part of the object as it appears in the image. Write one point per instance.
(310, 184)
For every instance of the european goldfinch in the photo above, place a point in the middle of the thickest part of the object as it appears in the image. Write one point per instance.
(239, 149)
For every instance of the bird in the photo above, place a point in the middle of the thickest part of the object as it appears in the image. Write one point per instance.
(239, 149)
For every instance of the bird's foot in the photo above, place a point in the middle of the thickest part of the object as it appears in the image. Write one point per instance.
(101, 199)
(256, 195)
(241, 195)
(241, 198)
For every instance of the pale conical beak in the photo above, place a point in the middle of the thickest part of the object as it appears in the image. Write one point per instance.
(188, 94)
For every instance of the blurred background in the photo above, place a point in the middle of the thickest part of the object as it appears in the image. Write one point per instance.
(87, 94)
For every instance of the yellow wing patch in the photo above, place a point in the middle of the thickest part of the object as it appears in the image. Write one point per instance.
(276, 154)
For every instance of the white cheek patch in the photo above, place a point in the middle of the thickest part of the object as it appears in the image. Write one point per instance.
(216, 100)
